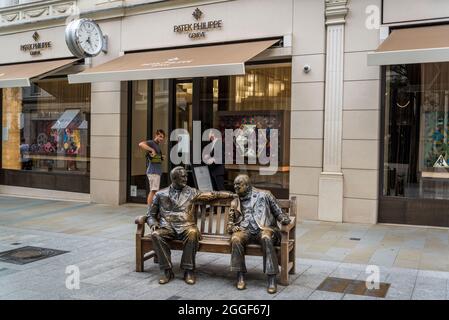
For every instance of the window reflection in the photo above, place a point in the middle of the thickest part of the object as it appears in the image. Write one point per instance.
(46, 127)
(416, 131)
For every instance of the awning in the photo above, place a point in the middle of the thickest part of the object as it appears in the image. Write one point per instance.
(20, 75)
(217, 60)
(413, 45)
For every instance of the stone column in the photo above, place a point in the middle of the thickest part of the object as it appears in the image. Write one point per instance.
(330, 206)
(109, 114)
(108, 143)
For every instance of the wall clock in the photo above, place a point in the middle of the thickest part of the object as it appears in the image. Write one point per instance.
(85, 38)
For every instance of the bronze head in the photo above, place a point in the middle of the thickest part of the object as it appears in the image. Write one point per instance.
(178, 177)
(242, 185)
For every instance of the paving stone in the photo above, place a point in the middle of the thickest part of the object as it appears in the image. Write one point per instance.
(429, 289)
(6, 271)
(20, 295)
(310, 280)
(433, 274)
(324, 295)
(101, 243)
(347, 273)
(358, 297)
(294, 292)
(447, 290)
(384, 257)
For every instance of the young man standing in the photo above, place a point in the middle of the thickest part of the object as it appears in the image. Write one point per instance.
(154, 170)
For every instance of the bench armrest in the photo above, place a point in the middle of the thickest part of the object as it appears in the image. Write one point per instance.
(141, 220)
(290, 226)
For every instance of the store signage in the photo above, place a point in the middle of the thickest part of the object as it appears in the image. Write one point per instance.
(35, 49)
(198, 29)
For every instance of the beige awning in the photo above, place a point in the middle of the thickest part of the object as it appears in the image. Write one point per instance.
(413, 45)
(20, 75)
(216, 60)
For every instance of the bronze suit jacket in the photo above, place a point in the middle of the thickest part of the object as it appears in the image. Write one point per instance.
(172, 208)
(265, 209)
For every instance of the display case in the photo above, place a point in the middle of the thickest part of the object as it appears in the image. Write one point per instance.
(254, 122)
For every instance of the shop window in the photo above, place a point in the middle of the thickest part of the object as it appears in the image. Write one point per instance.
(416, 147)
(258, 101)
(45, 130)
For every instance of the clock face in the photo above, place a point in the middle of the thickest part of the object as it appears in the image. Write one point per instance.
(84, 38)
(90, 38)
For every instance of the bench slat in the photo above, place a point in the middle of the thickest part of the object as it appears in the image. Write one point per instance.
(203, 218)
(218, 223)
(211, 218)
(226, 220)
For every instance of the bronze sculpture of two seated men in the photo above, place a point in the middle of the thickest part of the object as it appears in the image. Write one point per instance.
(253, 218)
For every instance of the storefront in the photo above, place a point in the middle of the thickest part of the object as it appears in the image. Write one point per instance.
(75, 128)
(260, 98)
(45, 121)
(362, 127)
(414, 173)
(254, 95)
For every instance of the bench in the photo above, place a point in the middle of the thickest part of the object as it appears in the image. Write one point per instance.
(212, 219)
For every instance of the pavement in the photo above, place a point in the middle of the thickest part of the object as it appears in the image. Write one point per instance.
(413, 261)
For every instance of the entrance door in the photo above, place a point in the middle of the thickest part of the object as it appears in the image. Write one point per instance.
(149, 111)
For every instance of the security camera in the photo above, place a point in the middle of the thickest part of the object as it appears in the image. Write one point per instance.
(307, 68)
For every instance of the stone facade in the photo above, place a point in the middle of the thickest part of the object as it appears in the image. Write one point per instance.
(335, 116)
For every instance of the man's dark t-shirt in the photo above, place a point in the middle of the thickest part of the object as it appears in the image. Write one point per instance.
(154, 163)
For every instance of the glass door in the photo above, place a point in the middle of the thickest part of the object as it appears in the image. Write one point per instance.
(149, 112)
(139, 131)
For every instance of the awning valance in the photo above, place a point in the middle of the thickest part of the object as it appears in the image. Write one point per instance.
(20, 75)
(216, 60)
(413, 45)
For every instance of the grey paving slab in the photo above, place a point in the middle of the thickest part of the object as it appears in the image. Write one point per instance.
(358, 297)
(101, 243)
(447, 290)
(6, 271)
(324, 295)
(384, 257)
(427, 288)
(294, 292)
(347, 273)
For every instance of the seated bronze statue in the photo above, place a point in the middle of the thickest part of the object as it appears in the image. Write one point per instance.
(170, 217)
(253, 218)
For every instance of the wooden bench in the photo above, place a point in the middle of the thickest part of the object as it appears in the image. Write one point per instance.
(212, 220)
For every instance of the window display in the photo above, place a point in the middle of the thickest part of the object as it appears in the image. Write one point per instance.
(417, 131)
(46, 131)
(258, 101)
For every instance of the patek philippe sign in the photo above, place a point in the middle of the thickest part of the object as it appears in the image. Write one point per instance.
(199, 29)
(35, 48)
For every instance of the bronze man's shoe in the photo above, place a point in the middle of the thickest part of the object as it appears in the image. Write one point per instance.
(241, 284)
(168, 275)
(272, 284)
(189, 277)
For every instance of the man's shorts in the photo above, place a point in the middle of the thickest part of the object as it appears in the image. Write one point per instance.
(155, 181)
